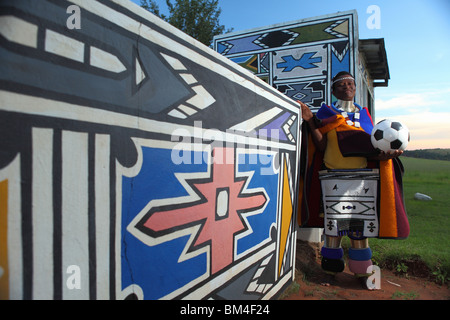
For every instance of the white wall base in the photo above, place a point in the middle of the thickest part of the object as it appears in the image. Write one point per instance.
(310, 234)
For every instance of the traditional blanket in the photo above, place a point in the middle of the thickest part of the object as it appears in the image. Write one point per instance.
(352, 141)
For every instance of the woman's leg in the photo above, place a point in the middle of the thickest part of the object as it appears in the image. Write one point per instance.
(360, 257)
(332, 255)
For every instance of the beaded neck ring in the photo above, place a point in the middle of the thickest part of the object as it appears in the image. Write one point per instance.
(356, 116)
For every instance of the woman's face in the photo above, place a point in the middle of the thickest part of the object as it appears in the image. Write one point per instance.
(345, 89)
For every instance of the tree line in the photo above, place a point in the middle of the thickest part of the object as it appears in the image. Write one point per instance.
(434, 154)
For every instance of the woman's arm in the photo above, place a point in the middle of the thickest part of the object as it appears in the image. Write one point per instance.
(318, 138)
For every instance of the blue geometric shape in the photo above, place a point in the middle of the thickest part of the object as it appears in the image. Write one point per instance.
(306, 62)
(161, 277)
(242, 59)
(301, 91)
(338, 66)
(263, 177)
(275, 127)
(221, 47)
(243, 44)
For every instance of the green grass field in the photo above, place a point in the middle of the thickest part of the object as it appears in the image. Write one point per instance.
(429, 239)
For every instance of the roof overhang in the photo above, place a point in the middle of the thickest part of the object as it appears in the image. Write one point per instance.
(374, 52)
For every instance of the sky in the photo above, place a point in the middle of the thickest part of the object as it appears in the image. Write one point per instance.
(417, 40)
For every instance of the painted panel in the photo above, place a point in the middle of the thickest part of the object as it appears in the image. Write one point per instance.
(298, 58)
(137, 163)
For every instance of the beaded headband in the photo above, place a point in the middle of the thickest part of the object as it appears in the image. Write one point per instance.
(343, 78)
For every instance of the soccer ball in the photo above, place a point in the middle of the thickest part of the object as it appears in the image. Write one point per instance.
(390, 135)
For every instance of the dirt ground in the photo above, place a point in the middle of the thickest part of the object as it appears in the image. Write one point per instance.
(309, 283)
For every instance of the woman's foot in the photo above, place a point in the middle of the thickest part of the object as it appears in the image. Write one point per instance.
(328, 280)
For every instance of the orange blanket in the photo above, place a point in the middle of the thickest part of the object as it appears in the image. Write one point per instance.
(393, 221)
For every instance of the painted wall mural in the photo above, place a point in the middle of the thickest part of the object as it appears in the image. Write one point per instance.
(298, 58)
(136, 163)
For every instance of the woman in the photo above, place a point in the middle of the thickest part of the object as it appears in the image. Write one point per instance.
(341, 135)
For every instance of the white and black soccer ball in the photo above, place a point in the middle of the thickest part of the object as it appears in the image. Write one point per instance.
(390, 135)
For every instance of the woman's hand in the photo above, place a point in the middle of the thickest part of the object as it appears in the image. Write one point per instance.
(306, 112)
(388, 155)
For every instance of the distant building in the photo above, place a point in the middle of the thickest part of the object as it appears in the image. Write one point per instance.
(300, 58)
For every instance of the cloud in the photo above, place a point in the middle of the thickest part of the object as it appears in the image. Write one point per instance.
(423, 111)
(400, 102)
(427, 129)
(414, 101)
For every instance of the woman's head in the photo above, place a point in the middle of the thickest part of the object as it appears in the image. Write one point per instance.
(343, 86)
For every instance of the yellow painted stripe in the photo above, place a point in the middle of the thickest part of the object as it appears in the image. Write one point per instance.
(286, 217)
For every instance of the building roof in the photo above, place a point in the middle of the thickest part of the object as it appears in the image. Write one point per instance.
(376, 60)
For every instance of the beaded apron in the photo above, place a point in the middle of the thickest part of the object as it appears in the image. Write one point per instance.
(350, 201)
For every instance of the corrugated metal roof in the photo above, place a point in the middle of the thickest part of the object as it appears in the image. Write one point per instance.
(376, 60)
